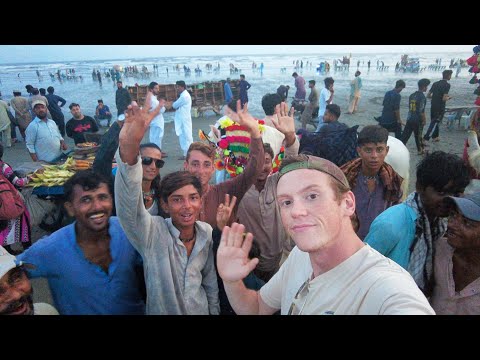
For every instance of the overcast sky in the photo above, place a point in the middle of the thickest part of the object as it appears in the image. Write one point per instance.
(49, 53)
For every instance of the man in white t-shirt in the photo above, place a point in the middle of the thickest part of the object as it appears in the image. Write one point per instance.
(330, 271)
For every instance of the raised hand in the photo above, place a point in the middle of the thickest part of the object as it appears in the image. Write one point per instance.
(245, 119)
(233, 263)
(224, 211)
(285, 123)
(137, 120)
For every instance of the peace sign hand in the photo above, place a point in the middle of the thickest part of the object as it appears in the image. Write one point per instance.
(224, 211)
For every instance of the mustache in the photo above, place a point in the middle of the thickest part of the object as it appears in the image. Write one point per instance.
(16, 304)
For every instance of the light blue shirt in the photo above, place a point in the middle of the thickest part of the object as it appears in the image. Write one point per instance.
(228, 92)
(80, 287)
(43, 139)
(392, 233)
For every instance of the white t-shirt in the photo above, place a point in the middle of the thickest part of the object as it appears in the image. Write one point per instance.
(44, 309)
(367, 283)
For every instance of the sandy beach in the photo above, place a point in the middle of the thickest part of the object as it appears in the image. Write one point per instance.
(370, 106)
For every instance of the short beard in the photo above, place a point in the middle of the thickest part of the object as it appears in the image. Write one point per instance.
(13, 306)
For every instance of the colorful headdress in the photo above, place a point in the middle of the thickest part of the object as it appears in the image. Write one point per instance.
(233, 146)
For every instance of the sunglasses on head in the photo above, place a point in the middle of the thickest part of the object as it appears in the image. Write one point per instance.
(148, 161)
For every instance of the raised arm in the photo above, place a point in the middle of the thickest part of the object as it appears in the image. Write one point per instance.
(135, 220)
(240, 184)
(285, 123)
(233, 266)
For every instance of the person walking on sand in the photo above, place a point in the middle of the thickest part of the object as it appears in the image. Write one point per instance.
(355, 87)
(439, 95)
(416, 119)
(244, 85)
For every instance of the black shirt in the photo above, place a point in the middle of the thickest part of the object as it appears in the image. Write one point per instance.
(76, 128)
(439, 89)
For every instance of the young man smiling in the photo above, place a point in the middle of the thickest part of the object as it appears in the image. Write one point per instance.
(330, 271)
(177, 252)
(90, 265)
(456, 262)
(406, 233)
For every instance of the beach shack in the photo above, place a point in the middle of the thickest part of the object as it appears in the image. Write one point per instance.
(206, 96)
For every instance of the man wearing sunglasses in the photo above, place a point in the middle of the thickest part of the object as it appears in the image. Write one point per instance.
(151, 164)
(330, 271)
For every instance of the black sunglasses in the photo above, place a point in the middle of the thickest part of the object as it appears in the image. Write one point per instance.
(148, 161)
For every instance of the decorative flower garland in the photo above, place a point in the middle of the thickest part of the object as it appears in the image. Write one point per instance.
(278, 160)
(234, 147)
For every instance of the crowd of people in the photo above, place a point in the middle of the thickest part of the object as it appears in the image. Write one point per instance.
(290, 233)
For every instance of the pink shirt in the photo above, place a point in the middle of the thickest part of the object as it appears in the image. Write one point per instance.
(445, 300)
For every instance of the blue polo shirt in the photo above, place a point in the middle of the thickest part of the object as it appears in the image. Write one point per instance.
(80, 287)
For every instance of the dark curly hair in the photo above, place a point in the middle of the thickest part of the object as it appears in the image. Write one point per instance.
(439, 168)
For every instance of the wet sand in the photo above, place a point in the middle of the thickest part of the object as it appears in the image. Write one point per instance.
(370, 106)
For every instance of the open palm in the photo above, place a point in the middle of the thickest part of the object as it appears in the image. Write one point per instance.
(285, 123)
(233, 263)
(137, 120)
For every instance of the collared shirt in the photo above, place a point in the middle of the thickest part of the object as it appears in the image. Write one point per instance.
(445, 299)
(368, 204)
(80, 287)
(43, 139)
(177, 284)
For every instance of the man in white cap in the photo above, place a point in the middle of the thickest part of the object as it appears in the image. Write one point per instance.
(44, 141)
(16, 290)
(457, 259)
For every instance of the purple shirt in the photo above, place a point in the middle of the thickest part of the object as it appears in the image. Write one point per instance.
(369, 204)
(300, 85)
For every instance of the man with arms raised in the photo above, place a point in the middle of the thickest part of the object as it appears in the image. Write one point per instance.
(330, 271)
